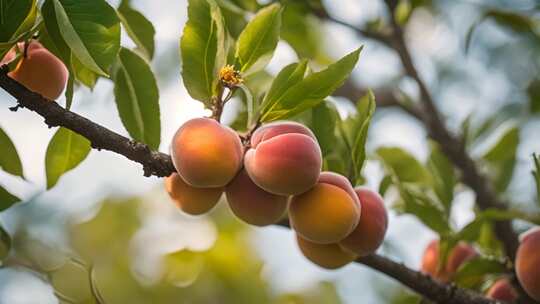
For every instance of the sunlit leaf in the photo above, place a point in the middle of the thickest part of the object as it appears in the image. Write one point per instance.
(16, 17)
(311, 90)
(257, 42)
(65, 152)
(139, 28)
(90, 28)
(473, 272)
(9, 158)
(285, 79)
(137, 98)
(405, 166)
(202, 49)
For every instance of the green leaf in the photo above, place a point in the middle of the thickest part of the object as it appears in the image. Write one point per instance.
(404, 165)
(323, 124)
(9, 158)
(312, 90)
(65, 152)
(444, 177)
(7, 199)
(403, 12)
(473, 272)
(257, 42)
(385, 183)
(83, 74)
(533, 90)
(90, 28)
(139, 28)
(366, 108)
(5, 244)
(425, 208)
(137, 98)
(501, 157)
(516, 22)
(70, 91)
(203, 49)
(536, 175)
(285, 79)
(16, 17)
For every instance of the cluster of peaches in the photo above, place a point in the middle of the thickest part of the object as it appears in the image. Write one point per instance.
(527, 266)
(278, 170)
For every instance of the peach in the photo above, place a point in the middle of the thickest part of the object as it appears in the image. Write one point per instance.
(40, 70)
(252, 204)
(460, 254)
(328, 212)
(206, 154)
(528, 263)
(330, 256)
(191, 200)
(284, 158)
(371, 229)
(502, 290)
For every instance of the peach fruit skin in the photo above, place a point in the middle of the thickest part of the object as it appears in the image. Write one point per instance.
(329, 256)
(206, 154)
(284, 158)
(40, 71)
(502, 290)
(328, 212)
(191, 200)
(528, 263)
(370, 232)
(460, 254)
(252, 204)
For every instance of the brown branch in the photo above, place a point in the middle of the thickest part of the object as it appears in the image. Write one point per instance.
(160, 164)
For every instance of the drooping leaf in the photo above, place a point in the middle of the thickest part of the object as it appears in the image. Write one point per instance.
(5, 244)
(473, 272)
(83, 74)
(137, 98)
(501, 157)
(257, 42)
(9, 158)
(16, 17)
(323, 124)
(311, 90)
(444, 177)
(285, 79)
(139, 28)
(90, 28)
(366, 108)
(424, 207)
(202, 48)
(385, 183)
(65, 152)
(7, 199)
(406, 167)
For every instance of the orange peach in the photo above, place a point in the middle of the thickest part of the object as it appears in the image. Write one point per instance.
(329, 256)
(284, 158)
(252, 204)
(40, 70)
(206, 154)
(191, 200)
(502, 290)
(371, 229)
(328, 212)
(460, 254)
(528, 263)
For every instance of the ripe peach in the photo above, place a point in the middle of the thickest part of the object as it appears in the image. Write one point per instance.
(330, 256)
(369, 234)
(206, 154)
(40, 71)
(528, 263)
(252, 204)
(328, 212)
(191, 200)
(460, 254)
(502, 290)
(284, 158)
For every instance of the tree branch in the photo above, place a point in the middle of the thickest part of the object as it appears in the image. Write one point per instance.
(160, 164)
